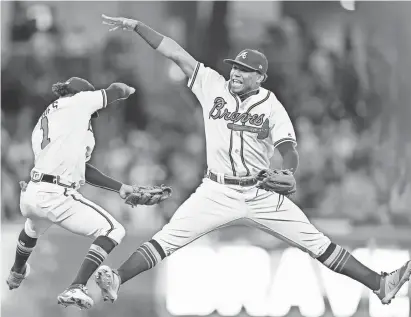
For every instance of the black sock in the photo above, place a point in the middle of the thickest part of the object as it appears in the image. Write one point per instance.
(97, 253)
(145, 258)
(341, 261)
(25, 246)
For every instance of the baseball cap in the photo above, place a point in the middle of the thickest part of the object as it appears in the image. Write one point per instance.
(79, 84)
(251, 59)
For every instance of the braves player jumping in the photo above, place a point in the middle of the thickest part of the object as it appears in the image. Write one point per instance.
(244, 123)
(62, 143)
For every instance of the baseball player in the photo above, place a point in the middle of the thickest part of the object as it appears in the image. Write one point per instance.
(244, 123)
(62, 142)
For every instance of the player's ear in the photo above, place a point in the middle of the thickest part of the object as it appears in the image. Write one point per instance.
(260, 79)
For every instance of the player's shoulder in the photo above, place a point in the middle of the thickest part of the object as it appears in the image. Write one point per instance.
(207, 70)
(84, 97)
(205, 78)
(86, 94)
(275, 104)
(271, 97)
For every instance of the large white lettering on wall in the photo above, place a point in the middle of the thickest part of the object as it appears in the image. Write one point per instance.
(200, 280)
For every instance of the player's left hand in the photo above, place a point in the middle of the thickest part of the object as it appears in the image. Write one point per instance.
(23, 186)
(119, 23)
(280, 181)
(125, 190)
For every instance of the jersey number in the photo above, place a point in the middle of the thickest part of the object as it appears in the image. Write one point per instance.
(45, 128)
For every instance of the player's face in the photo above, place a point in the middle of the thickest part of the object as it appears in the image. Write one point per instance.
(243, 80)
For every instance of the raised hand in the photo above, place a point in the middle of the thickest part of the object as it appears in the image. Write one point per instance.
(119, 23)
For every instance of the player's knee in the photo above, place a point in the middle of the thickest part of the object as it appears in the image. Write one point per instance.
(117, 233)
(30, 230)
(320, 247)
(159, 248)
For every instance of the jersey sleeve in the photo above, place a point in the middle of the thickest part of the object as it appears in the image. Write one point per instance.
(282, 129)
(203, 81)
(91, 101)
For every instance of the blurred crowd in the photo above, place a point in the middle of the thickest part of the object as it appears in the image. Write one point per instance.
(354, 157)
(353, 164)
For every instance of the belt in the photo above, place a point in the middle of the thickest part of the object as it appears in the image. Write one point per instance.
(47, 178)
(232, 180)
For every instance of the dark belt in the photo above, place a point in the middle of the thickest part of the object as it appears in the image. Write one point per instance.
(47, 178)
(232, 180)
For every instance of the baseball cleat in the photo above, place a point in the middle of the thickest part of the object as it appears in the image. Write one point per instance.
(391, 283)
(75, 295)
(14, 280)
(109, 282)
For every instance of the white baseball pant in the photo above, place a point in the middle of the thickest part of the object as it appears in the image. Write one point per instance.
(45, 204)
(214, 205)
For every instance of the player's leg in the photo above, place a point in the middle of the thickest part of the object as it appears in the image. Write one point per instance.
(26, 243)
(212, 206)
(27, 240)
(288, 222)
(86, 218)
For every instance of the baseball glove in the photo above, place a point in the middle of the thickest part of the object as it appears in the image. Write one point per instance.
(148, 195)
(280, 181)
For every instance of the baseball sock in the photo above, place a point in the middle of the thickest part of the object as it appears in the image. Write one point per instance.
(25, 246)
(145, 258)
(97, 253)
(339, 260)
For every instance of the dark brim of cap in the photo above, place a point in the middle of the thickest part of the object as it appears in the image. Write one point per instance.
(233, 61)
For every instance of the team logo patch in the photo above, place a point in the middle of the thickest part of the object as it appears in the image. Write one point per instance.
(243, 55)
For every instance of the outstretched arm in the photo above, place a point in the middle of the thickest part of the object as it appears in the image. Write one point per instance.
(92, 101)
(96, 178)
(161, 43)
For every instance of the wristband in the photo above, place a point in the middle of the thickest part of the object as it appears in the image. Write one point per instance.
(152, 37)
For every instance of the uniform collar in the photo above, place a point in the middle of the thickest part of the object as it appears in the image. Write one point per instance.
(249, 94)
(246, 95)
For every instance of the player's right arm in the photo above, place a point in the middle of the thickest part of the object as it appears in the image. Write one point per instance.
(99, 179)
(161, 43)
(91, 101)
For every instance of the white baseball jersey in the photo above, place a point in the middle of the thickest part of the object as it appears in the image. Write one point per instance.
(62, 139)
(240, 136)
(240, 139)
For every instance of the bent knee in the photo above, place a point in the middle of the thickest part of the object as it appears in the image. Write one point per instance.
(319, 246)
(117, 233)
(30, 229)
(168, 243)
